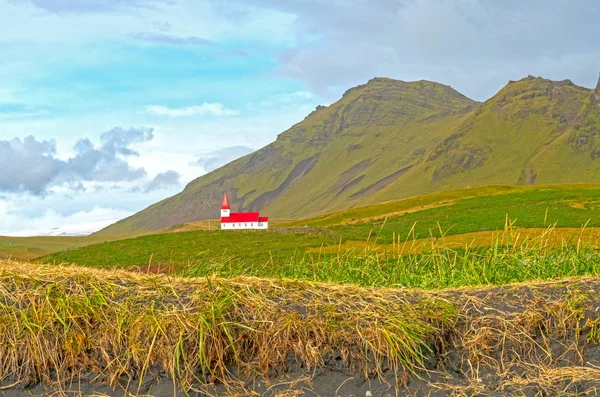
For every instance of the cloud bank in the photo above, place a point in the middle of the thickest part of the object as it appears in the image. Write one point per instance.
(215, 159)
(51, 222)
(168, 39)
(28, 165)
(163, 180)
(476, 46)
(32, 166)
(93, 6)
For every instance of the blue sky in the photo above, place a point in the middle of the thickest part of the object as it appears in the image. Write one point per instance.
(107, 106)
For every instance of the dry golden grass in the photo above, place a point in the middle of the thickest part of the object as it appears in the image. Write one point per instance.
(391, 214)
(550, 237)
(57, 322)
(62, 320)
(211, 224)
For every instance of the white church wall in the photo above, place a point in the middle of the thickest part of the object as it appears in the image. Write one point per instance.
(244, 225)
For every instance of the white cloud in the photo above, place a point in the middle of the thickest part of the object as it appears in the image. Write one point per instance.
(297, 102)
(288, 98)
(476, 46)
(53, 223)
(206, 109)
(164, 180)
(31, 166)
(217, 158)
(161, 38)
(23, 114)
(93, 6)
(71, 23)
(68, 212)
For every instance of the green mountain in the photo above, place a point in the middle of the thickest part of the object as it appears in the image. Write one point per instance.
(390, 139)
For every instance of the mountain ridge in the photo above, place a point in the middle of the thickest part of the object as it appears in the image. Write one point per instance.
(390, 139)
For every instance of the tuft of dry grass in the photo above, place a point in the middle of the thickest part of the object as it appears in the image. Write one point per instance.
(56, 322)
(513, 238)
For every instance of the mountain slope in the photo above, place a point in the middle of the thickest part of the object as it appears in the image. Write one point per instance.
(533, 131)
(390, 139)
(321, 162)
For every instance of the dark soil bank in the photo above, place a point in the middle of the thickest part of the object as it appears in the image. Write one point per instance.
(323, 383)
(330, 382)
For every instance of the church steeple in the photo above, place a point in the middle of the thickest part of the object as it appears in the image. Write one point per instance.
(225, 210)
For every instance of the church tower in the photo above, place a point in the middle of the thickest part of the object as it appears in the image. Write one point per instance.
(225, 210)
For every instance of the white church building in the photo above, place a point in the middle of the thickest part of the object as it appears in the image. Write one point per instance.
(241, 220)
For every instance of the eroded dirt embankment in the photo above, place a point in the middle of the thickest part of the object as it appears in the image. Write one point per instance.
(72, 331)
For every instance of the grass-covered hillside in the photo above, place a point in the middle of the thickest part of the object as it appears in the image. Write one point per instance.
(388, 139)
(304, 248)
(469, 210)
(332, 154)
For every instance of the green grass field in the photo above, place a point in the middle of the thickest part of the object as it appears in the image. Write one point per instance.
(532, 208)
(192, 248)
(306, 253)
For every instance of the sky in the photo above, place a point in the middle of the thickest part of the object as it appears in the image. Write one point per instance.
(108, 106)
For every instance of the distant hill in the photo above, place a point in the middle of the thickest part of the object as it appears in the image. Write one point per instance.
(390, 139)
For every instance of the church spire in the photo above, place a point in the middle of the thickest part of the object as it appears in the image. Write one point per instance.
(225, 210)
(225, 205)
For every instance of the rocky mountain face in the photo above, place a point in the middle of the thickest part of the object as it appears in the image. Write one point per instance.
(390, 139)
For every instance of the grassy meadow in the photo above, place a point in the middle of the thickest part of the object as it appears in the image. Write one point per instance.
(298, 256)
(483, 236)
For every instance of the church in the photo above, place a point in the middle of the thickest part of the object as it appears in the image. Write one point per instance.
(241, 220)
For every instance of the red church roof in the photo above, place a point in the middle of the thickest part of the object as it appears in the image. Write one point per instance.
(225, 205)
(240, 217)
(237, 217)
